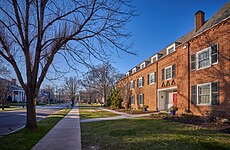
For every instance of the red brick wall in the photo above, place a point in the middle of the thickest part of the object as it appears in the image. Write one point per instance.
(220, 72)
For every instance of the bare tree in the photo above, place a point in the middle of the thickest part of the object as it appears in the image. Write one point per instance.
(101, 78)
(5, 84)
(72, 85)
(33, 33)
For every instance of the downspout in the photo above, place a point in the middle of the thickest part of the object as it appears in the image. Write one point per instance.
(157, 86)
(189, 71)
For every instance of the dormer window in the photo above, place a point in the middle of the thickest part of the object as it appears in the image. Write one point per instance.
(142, 65)
(170, 49)
(127, 74)
(154, 58)
(134, 70)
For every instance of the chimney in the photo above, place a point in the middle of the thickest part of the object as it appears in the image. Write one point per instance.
(199, 19)
(13, 81)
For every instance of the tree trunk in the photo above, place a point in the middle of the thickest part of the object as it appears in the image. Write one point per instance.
(3, 103)
(31, 112)
(72, 100)
(105, 95)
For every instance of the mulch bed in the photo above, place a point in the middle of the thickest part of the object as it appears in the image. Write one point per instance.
(140, 111)
(201, 121)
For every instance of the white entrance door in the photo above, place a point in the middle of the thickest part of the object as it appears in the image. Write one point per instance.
(170, 99)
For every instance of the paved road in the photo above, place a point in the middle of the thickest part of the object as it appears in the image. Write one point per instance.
(12, 120)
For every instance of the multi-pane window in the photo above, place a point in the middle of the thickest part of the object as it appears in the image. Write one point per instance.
(140, 82)
(134, 70)
(132, 84)
(168, 73)
(151, 78)
(141, 99)
(154, 58)
(142, 65)
(132, 100)
(204, 58)
(171, 49)
(204, 94)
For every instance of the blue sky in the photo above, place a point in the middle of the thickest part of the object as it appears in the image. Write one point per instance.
(159, 24)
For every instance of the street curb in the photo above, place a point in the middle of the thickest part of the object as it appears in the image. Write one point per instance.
(20, 128)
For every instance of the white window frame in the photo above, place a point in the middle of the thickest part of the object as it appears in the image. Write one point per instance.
(151, 74)
(127, 74)
(132, 100)
(131, 84)
(139, 99)
(142, 65)
(134, 70)
(170, 72)
(197, 58)
(171, 46)
(210, 97)
(140, 79)
(155, 56)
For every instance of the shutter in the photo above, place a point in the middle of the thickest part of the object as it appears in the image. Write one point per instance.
(174, 71)
(133, 99)
(194, 94)
(138, 99)
(137, 82)
(133, 83)
(142, 98)
(163, 74)
(143, 81)
(193, 62)
(148, 79)
(214, 53)
(215, 95)
(155, 77)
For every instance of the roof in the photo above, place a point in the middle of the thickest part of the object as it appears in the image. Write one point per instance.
(10, 84)
(220, 16)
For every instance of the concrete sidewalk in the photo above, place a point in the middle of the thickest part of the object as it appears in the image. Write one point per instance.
(66, 134)
(122, 116)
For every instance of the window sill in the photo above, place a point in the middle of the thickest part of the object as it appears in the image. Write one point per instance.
(203, 104)
(204, 67)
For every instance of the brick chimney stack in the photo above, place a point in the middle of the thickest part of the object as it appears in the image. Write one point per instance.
(13, 81)
(199, 19)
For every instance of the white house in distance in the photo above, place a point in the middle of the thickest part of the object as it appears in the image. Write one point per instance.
(12, 89)
(17, 92)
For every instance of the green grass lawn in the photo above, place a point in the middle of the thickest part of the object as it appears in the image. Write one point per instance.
(11, 108)
(90, 105)
(86, 113)
(140, 134)
(25, 139)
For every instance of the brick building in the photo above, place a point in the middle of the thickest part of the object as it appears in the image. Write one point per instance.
(192, 73)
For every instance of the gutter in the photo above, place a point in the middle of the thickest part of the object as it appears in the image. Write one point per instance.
(189, 71)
